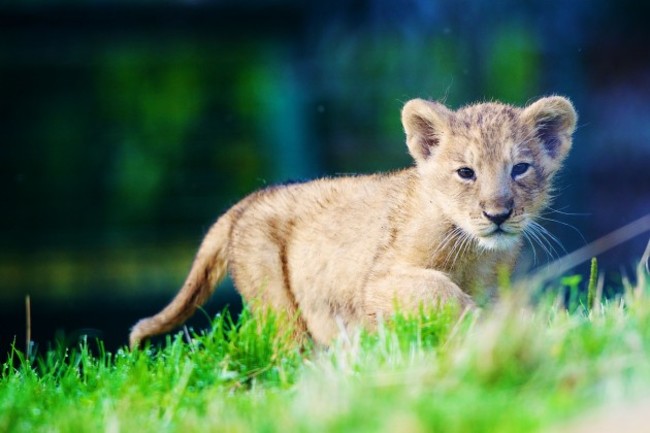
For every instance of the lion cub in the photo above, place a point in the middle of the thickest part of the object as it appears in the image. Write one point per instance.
(344, 251)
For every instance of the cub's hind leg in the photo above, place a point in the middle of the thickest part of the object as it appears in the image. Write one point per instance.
(260, 270)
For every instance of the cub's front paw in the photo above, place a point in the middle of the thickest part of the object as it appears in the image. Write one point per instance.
(450, 293)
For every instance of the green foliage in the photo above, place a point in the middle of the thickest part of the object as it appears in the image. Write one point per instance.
(152, 105)
(513, 65)
(571, 283)
(507, 368)
(593, 280)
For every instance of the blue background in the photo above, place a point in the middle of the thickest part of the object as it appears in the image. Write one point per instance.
(126, 128)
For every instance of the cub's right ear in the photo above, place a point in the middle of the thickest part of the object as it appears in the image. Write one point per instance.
(424, 122)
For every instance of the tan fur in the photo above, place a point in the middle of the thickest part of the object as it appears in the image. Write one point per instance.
(344, 251)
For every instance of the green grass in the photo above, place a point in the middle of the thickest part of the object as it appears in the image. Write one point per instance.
(507, 368)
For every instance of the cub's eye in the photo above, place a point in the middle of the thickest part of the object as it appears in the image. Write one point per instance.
(465, 173)
(519, 169)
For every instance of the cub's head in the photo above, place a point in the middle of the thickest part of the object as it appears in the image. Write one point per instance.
(489, 166)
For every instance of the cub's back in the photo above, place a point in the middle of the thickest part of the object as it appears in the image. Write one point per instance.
(321, 234)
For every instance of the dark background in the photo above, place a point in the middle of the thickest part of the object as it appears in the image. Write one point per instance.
(126, 128)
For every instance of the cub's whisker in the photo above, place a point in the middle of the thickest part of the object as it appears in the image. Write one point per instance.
(564, 224)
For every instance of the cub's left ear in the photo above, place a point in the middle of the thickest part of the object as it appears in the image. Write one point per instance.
(553, 120)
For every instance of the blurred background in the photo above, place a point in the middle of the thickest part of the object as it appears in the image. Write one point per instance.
(127, 127)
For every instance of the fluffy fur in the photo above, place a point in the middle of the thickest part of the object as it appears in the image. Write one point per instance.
(343, 251)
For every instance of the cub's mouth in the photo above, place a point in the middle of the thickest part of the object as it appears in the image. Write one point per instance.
(498, 239)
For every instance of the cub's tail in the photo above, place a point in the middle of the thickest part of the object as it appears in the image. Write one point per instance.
(208, 269)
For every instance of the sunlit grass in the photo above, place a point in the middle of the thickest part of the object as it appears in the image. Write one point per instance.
(511, 367)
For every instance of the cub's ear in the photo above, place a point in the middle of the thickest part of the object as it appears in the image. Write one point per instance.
(424, 122)
(553, 119)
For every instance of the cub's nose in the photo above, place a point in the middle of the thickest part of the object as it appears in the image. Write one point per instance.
(498, 219)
